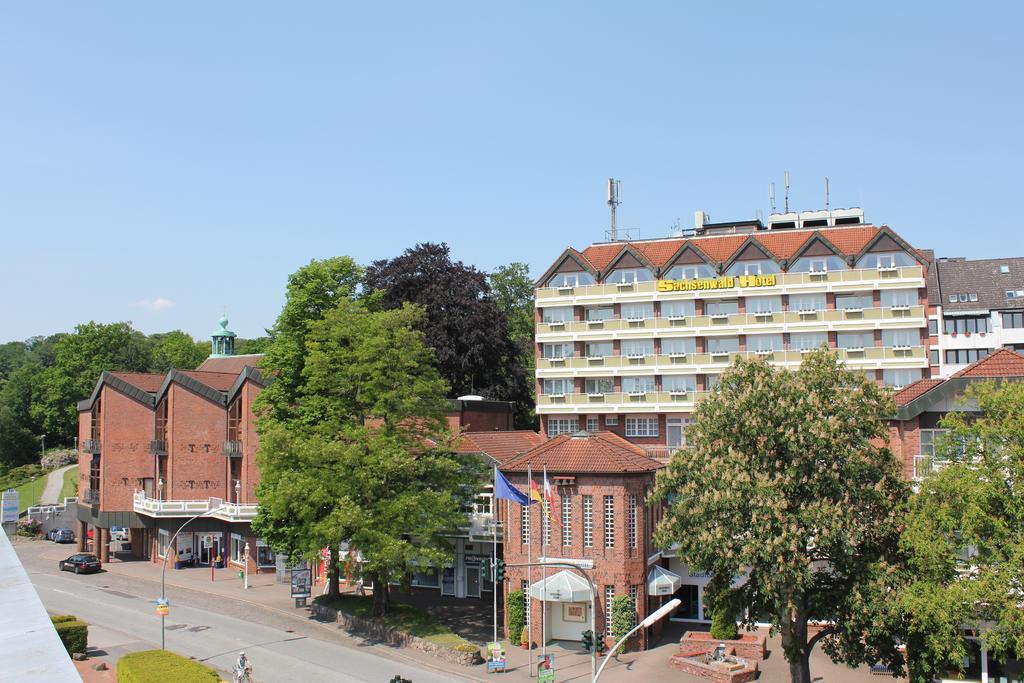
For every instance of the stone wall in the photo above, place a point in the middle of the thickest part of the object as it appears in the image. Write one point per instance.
(686, 662)
(387, 634)
(748, 646)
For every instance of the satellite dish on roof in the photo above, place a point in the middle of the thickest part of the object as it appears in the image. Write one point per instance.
(470, 397)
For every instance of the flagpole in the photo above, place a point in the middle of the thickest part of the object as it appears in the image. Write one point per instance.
(529, 553)
(545, 526)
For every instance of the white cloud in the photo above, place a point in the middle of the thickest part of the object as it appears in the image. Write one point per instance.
(155, 305)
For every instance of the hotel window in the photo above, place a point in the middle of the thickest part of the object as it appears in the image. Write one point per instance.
(933, 357)
(909, 337)
(163, 539)
(571, 279)
(641, 426)
(264, 554)
(677, 309)
(723, 344)
(678, 346)
(638, 311)
(599, 385)
(524, 586)
(679, 383)
(609, 521)
(545, 523)
(933, 327)
(637, 347)
(611, 420)
(853, 301)
(899, 297)
(557, 386)
(965, 356)
(598, 349)
(900, 378)
(964, 324)
(524, 524)
(758, 267)
(562, 425)
(694, 271)
(557, 350)
(593, 424)
(817, 264)
(711, 381)
(237, 548)
(764, 304)
(675, 431)
(807, 341)
(588, 521)
(721, 308)
(893, 259)
(595, 313)
(556, 314)
(566, 520)
(1013, 320)
(632, 520)
(807, 302)
(764, 342)
(930, 439)
(609, 595)
(855, 340)
(627, 275)
(639, 384)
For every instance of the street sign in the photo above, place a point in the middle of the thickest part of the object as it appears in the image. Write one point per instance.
(546, 669)
(162, 607)
(10, 506)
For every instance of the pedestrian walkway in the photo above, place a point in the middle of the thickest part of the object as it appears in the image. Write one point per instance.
(54, 484)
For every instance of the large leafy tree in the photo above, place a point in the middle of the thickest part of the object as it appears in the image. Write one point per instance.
(464, 323)
(964, 538)
(513, 292)
(785, 496)
(360, 455)
(178, 350)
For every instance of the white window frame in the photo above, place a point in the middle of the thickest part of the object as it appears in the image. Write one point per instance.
(611, 420)
(565, 314)
(609, 522)
(754, 304)
(163, 540)
(566, 514)
(718, 342)
(632, 520)
(590, 352)
(802, 341)
(679, 383)
(237, 548)
(593, 424)
(600, 391)
(557, 386)
(588, 520)
(546, 524)
(593, 314)
(637, 384)
(628, 310)
(637, 348)
(525, 587)
(673, 423)
(562, 425)
(678, 346)
(798, 302)
(557, 350)
(260, 543)
(678, 308)
(524, 524)
(609, 595)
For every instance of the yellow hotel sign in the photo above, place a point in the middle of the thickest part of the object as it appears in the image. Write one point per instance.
(724, 282)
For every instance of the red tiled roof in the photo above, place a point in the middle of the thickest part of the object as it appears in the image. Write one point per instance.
(781, 245)
(502, 446)
(598, 452)
(1000, 363)
(915, 390)
(232, 364)
(146, 381)
(221, 381)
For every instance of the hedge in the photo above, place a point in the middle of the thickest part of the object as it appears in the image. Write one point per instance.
(516, 609)
(74, 634)
(162, 666)
(623, 618)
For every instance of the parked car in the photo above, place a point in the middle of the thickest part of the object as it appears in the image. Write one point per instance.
(62, 535)
(80, 562)
(49, 534)
(118, 533)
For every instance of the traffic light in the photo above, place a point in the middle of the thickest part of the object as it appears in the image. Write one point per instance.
(499, 571)
(485, 570)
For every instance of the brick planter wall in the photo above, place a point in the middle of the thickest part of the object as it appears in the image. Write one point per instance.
(387, 634)
(680, 662)
(748, 646)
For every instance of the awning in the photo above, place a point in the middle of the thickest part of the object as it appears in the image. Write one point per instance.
(661, 581)
(565, 586)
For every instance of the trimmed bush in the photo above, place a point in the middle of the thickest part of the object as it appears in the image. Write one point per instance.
(623, 618)
(516, 610)
(161, 666)
(723, 620)
(74, 634)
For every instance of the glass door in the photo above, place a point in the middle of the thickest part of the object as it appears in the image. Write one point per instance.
(448, 581)
(472, 580)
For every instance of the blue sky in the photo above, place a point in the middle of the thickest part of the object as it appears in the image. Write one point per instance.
(162, 162)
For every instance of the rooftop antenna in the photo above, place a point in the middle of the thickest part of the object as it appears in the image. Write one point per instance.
(828, 208)
(771, 195)
(614, 191)
(785, 180)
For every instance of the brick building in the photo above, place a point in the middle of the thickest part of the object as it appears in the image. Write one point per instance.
(601, 483)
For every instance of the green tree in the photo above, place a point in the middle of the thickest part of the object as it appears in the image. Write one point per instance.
(513, 292)
(623, 618)
(177, 350)
(783, 484)
(18, 442)
(964, 538)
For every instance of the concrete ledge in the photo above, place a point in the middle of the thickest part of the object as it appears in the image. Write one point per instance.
(688, 660)
(748, 646)
(390, 635)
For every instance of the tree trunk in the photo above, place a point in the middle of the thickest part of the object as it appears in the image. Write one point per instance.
(800, 671)
(794, 644)
(333, 574)
(381, 596)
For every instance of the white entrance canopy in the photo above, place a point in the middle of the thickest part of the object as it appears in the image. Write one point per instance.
(661, 581)
(565, 586)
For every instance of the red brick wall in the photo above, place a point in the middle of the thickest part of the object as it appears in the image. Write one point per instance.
(196, 468)
(126, 429)
(250, 471)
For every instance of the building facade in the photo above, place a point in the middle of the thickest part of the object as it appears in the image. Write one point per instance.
(630, 335)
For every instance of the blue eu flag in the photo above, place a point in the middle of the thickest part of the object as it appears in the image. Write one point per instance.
(503, 490)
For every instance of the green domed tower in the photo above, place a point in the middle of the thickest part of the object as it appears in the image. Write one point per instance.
(223, 340)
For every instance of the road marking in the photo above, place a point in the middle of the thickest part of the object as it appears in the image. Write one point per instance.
(57, 590)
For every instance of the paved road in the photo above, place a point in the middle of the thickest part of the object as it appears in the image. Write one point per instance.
(211, 629)
(54, 483)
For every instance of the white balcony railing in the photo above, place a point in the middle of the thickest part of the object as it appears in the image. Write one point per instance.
(925, 465)
(231, 512)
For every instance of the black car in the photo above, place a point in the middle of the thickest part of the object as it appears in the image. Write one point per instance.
(80, 562)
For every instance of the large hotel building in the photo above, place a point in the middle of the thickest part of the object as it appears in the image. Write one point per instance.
(629, 335)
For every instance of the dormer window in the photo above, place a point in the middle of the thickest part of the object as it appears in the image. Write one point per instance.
(817, 264)
(696, 271)
(565, 280)
(629, 276)
(892, 259)
(758, 267)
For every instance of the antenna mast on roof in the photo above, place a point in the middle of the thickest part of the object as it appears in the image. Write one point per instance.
(828, 208)
(614, 191)
(771, 195)
(785, 180)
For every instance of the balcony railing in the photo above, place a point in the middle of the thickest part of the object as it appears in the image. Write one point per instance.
(481, 527)
(90, 496)
(660, 453)
(232, 449)
(212, 507)
(158, 447)
(925, 465)
(623, 399)
(91, 446)
(832, 277)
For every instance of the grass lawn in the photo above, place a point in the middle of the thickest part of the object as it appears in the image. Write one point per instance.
(30, 492)
(70, 486)
(404, 618)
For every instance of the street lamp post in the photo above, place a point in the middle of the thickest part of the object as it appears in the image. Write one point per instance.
(245, 565)
(42, 452)
(160, 488)
(238, 490)
(649, 621)
(163, 572)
